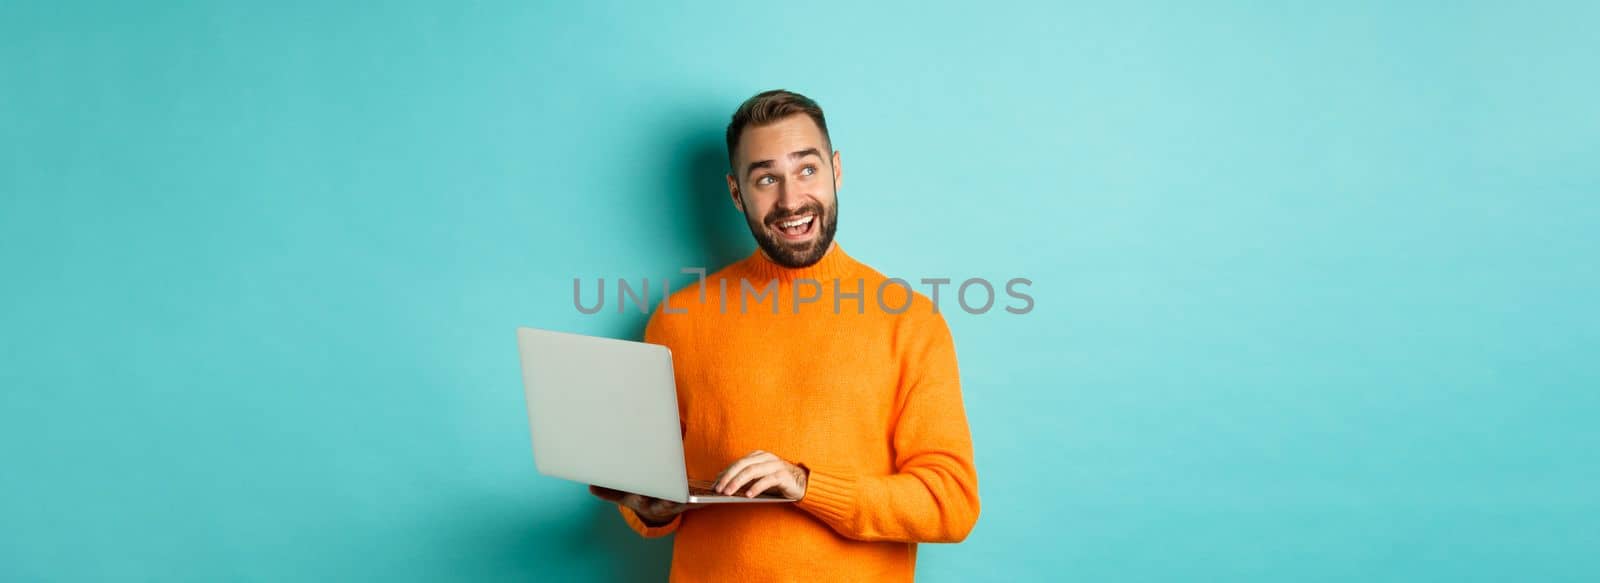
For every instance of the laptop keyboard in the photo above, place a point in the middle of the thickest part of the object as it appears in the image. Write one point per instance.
(703, 488)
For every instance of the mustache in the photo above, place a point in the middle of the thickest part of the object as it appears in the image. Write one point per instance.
(779, 215)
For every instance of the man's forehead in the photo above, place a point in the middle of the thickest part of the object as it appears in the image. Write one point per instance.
(774, 141)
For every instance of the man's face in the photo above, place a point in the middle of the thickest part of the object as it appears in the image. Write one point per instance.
(786, 183)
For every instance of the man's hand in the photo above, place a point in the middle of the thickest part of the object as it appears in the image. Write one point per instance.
(653, 511)
(762, 471)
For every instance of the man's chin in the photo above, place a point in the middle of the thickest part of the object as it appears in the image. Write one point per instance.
(801, 249)
(794, 256)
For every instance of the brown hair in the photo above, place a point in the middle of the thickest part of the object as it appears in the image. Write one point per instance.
(768, 107)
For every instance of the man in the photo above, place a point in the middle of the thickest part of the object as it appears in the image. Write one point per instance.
(803, 371)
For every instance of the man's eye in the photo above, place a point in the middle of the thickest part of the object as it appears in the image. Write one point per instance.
(809, 170)
(764, 180)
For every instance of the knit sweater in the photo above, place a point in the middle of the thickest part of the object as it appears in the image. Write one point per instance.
(865, 396)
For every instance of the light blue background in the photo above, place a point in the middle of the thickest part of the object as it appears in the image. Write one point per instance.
(1315, 282)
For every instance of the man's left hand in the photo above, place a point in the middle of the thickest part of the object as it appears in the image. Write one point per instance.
(762, 471)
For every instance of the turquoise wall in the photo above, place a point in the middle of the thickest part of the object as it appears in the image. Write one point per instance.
(1315, 282)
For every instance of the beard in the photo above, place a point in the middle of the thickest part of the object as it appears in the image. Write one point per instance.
(802, 254)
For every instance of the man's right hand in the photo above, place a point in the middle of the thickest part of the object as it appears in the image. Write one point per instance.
(652, 511)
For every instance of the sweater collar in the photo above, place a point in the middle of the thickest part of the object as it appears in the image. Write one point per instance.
(834, 264)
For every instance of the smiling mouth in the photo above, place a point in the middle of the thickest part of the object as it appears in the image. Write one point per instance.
(794, 228)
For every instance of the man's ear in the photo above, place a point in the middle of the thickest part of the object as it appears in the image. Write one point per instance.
(733, 191)
(838, 172)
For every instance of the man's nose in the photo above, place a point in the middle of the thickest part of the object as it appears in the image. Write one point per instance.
(789, 197)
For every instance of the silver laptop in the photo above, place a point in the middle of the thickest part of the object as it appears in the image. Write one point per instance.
(605, 412)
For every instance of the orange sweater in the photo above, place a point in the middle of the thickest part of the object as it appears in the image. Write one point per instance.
(867, 400)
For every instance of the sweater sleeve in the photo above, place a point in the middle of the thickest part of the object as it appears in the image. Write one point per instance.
(932, 496)
(646, 530)
(655, 332)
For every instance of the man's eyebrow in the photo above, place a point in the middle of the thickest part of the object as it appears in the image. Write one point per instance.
(798, 154)
(754, 165)
(795, 155)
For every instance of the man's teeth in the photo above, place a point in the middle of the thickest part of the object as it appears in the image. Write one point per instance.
(795, 223)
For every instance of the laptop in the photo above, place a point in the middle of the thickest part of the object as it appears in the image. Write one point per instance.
(605, 412)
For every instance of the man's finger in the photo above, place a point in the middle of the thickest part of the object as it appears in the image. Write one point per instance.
(639, 501)
(738, 464)
(728, 472)
(607, 494)
(661, 506)
(761, 485)
(749, 473)
(753, 457)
